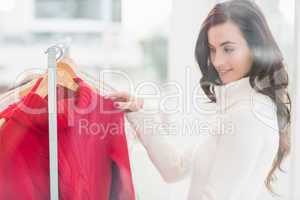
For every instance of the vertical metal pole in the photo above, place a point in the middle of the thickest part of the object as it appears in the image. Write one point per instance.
(52, 123)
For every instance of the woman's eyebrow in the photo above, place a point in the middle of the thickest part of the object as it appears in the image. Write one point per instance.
(227, 42)
(223, 43)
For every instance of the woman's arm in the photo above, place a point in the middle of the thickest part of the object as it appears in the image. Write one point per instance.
(172, 162)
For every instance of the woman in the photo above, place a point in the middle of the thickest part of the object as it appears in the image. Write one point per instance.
(243, 73)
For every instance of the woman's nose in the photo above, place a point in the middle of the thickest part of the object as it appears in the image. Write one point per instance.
(218, 61)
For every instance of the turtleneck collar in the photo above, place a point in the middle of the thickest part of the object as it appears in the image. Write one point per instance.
(230, 93)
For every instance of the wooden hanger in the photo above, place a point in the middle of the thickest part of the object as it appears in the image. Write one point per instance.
(66, 72)
(2, 121)
(65, 77)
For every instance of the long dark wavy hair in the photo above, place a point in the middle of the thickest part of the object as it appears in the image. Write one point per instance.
(267, 74)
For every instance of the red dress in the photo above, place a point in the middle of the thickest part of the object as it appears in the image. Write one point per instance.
(92, 148)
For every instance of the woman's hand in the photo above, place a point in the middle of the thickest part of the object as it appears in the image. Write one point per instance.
(124, 101)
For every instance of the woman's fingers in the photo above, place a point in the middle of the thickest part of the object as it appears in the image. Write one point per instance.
(124, 101)
(131, 106)
(125, 106)
(118, 96)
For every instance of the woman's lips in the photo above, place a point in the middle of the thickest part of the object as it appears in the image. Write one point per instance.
(223, 72)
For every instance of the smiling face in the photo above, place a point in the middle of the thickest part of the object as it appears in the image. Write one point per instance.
(229, 52)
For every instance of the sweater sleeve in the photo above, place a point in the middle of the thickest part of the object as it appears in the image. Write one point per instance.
(173, 164)
(237, 154)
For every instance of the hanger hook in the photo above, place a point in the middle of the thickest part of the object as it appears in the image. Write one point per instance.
(60, 51)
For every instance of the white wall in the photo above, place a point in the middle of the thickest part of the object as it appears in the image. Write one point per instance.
(295, 174)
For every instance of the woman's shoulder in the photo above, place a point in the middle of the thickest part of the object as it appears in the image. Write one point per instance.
(256, 119)
(259, 110)
(264, 109)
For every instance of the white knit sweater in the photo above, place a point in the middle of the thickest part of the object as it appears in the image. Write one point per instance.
(234, 161)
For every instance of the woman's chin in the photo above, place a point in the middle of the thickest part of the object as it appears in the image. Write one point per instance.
(225, 80)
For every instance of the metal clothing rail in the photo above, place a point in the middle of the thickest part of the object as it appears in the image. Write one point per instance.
(55, 53)
(61, 49)
(52, 112)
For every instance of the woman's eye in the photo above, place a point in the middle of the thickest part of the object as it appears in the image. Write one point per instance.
(229, 50)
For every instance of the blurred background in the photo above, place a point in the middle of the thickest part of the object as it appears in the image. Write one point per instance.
(149, 41)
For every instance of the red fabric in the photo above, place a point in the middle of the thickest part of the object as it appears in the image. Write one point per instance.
(92, 149)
